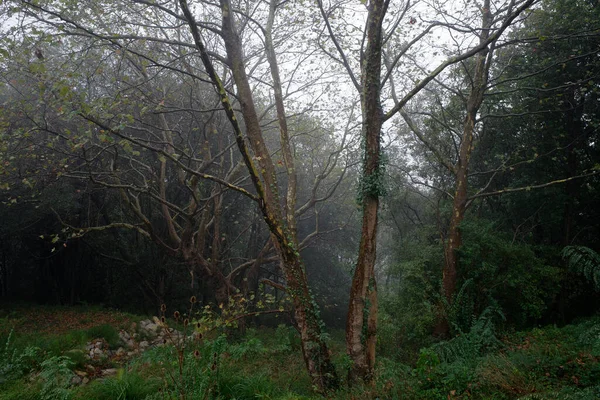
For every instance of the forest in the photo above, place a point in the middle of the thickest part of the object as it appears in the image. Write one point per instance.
(243, 199)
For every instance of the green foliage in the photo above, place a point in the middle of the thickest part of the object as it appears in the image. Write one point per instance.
(503, 273)
(461, 310)
(373, 184)
(57, 345)
(126, 385)
(19, 389)
(240, 387)
(583, 261)
(287, 339)
(478, 340)
(408, 311)
(568, 393)
(14, 363)
(56, 375)
(78, 357)
(590, 336)
(543, 363)
(106, 332)
(247, 348)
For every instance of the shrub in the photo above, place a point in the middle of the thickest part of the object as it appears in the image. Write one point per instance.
(505, 273)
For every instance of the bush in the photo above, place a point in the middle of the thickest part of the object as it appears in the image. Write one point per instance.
(408, 314)
(505, 273)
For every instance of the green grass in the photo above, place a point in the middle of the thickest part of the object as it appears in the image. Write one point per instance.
(130, 385)
(106, 332)
(542, 363)
(20, 389)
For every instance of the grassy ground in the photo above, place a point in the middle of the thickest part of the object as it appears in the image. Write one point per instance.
(42, 349)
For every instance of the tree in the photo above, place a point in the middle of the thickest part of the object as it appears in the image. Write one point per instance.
(147, 151)
(484, 179)
(380, 50)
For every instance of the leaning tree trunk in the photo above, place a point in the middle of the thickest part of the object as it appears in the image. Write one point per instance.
(361, 325)
(459, 207)
(309, 322)
(262, 173)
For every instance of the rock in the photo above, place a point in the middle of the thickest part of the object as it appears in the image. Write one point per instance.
(99, 344)
(124, 336)
(120, 351)
(97, 352)
(85, 381)
(144, 344)
(151, 328)
(109, 372)
(76, 380)
(130, 343)
(80, 373)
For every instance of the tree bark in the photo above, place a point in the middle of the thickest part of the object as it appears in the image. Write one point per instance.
(459, 206)
(361, 325)
(314, 349)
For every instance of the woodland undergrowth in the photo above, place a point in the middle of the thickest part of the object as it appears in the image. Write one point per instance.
(220, 363)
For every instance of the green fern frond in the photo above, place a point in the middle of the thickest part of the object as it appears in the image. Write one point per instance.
(583, 261)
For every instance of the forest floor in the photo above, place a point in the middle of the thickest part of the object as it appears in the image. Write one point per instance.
(44, 354)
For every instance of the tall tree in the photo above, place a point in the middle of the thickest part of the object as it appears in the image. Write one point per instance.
(481, 118)
(281, 222)
(140, 45)
(378, 35)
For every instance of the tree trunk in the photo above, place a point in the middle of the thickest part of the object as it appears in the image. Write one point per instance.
(573, 129)
(306, 314)
(459, 207)
(361, 325)
(262, 173)
(454, 238)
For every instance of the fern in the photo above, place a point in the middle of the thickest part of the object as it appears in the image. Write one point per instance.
(474, 343)
(459, 311)
(56, 374)
(583, 261)
(13, 364)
